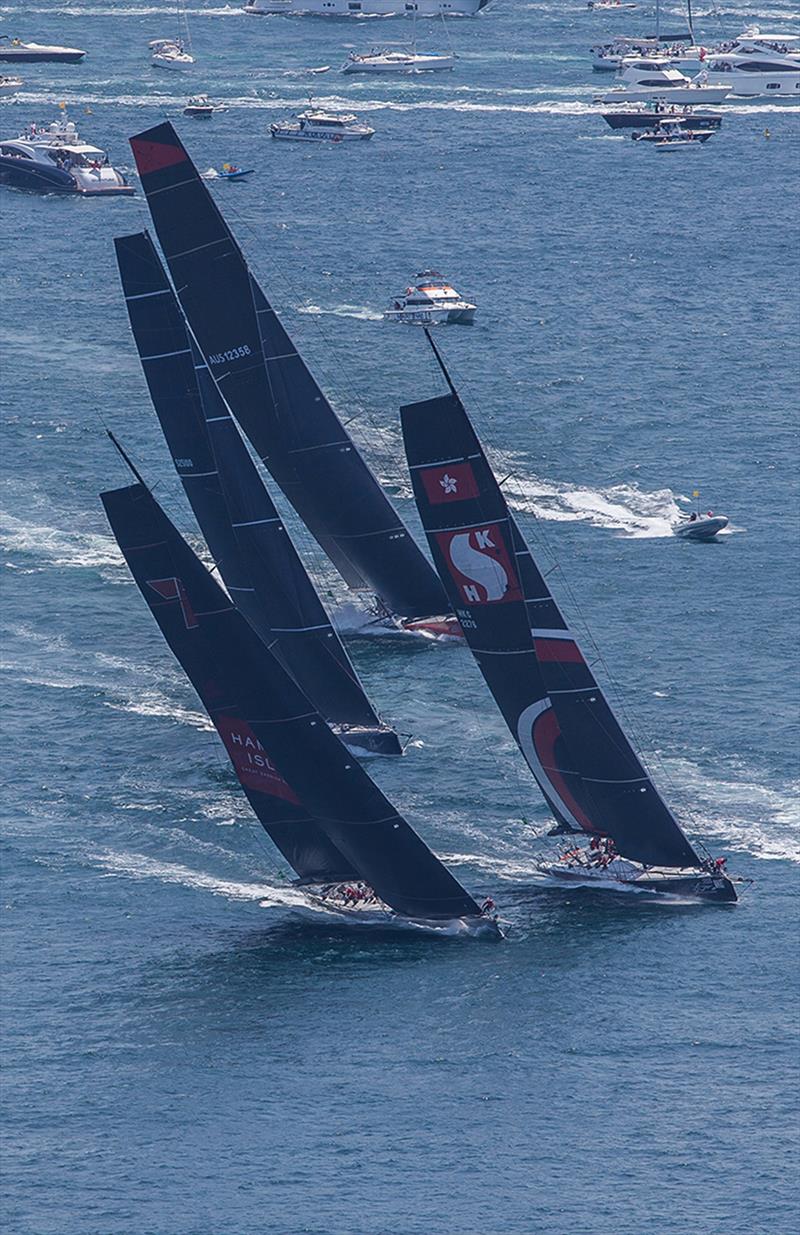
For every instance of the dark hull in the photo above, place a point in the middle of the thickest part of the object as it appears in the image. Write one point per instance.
(38, 57)
(697, 886)
(649, 119)
(36, 178)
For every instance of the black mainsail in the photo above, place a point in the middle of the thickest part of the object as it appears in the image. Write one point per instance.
(248, 541)
(584, 764)
(272, 393)
(265, 720)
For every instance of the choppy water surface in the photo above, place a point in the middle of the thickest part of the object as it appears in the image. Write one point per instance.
(187, 1051)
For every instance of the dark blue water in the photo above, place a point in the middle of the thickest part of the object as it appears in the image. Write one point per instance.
(182, 1059)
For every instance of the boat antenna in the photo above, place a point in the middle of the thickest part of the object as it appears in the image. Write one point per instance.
(441, 363)
(127, 459)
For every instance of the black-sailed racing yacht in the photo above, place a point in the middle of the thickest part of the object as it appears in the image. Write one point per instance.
(350, 848)
(277, 401)
(247, 538)
(591, 777)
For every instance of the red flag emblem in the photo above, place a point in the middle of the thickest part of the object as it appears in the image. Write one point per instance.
(454, 483)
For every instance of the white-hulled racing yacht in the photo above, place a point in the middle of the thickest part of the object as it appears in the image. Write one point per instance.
(55, 160)
(367, 8)
(655, 78)
(398, 60)
(428, 300)
(170, 54)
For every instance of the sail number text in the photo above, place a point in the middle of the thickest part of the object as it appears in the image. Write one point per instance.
(234, 354)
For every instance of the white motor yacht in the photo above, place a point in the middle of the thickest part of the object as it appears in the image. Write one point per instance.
(55, 160)
(655, 78)
(603, 6)
(14, 51)
(317, 125)
(170, 54)
(757, 64)
(430, 299)
(10, 85)
(398, 60)
(367, 8)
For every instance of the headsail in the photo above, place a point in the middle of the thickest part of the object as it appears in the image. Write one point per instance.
(271, 392)
(252, 696)
(583, 762)
(244, 532)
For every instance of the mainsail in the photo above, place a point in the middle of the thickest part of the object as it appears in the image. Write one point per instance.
(241, 525)
(272, 393)
(584, 764)
(267, 722)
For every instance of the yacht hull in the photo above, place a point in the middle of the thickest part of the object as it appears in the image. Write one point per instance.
(427, 64)
(649, 119)
(700, 529)
(431, 317)
(377, 913)
(37, 178)
(684, 96)
(750, 85)
(42, 55)
(365, 8)
(695, 884)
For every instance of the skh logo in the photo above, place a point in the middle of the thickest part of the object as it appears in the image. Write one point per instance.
(480, 565)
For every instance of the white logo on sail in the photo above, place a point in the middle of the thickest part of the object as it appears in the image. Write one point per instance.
(449, 483)
(482, 569)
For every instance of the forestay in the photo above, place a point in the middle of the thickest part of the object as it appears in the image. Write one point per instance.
(272, 393)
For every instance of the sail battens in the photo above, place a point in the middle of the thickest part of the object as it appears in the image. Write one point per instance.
(443, 462)
(296, 630)
(148, 295)
(255, 522)
(198, 475)
(587, 770)
(273, 395)
(212, 420)
(165, 355)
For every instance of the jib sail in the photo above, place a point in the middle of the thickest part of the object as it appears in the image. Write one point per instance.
(271, 392)
(583, 762)
(252, 694)
(241, 525)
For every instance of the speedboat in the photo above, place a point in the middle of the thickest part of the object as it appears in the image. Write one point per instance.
(170, 54)
(386, 60)
(629, 116)
(321, 126)
(602, 6)
(55, 160)
(758, 64)
(669, 132)
(201, 107)
(10, 85)
(696, 526)
(15, 51)
(430, 299)
(655, 78)
(367, 8)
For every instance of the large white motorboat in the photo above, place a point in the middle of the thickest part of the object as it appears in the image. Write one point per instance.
(757, 64)
(10, 85)
(14, 51)
(55, 160)
(170, 54)
(317, 125)
(367, 8)
(655, 78)
(430, 299)
(398, 60)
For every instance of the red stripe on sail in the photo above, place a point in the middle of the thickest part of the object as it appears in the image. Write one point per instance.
(546, 733)
(251, 762)
(559, 649)
(154, 156)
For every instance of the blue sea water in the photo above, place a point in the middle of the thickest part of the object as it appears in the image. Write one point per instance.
(184, 1052)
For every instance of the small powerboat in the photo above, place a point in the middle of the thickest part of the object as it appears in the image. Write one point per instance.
(10, 85)
(55, 160)
(316, 125)
(430, 299)
(170, 54)
(386, 60)
(14, 51)
(696, 526)
(201, 107)
(228, 171)
(604, 6)
(671, 133)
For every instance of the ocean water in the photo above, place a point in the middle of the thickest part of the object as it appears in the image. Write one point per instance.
(186, 1049)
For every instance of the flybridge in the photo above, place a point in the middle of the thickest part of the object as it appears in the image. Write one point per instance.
(274, 396)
